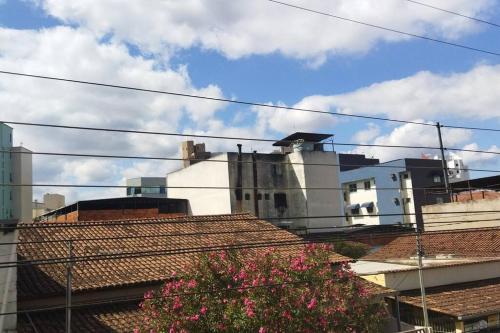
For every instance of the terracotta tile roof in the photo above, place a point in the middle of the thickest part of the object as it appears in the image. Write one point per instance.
(44, 280)
(473, 243)
(469, 299)
(104, 318)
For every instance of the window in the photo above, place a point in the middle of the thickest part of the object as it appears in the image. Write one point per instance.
(353, 187)
(406, 176)
(259, 196)
(396, 201)
(394, 177)
(247, 196)
(266, 196)
(437, 179)
(345, 196)
(280, 201)
(368, 185)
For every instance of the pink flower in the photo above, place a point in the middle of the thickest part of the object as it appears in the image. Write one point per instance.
(203, 310)
(262, 330)
(191, 284)
(312, 304)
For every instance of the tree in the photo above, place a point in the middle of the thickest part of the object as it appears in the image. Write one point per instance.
(263, 292)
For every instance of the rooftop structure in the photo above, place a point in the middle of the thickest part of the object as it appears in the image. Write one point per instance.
(152, 187)
(117, 208)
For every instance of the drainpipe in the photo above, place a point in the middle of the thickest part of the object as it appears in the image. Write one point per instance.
(239, 181)
(255, 184)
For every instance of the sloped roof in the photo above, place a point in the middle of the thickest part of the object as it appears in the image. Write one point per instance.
(103, 318)
(472, 243)
(148, 252)
(476, 298)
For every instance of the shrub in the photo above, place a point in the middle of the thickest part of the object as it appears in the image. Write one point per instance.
(245, 292)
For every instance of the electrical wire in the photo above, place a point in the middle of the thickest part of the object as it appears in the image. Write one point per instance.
(454, 13)
(211, 160)
(215, 99)
(313, 11)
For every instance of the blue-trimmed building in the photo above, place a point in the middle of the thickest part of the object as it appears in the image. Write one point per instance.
(5, 171)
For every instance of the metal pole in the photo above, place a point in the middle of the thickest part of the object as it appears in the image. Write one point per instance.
(420, 254)
(398, 314)
(68, 286)
(444, 162)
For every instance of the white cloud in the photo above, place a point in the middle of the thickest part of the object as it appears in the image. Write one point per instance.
(367, 135)
(476, 159)
(412, 135)
(473, 94)
(240, 28)
(77, 53)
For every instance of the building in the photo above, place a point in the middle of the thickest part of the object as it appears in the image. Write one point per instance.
(5, 171)
(16, 178)
(392, 192)
(8, 278)
(51, 201)
(461, 276)
(117, 208)
(96, 284)
(152, 187)
(22, 176)
(355, 161)
(290, 187)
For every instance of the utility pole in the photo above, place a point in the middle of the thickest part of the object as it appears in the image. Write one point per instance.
(420, 254)
(444, 163)
(69, 277)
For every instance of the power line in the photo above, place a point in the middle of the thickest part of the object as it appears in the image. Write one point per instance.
(384, 28)
(405, 229)
(473, 128)
(454, 13)
(215, 99)
(436, 188)
(192, 250)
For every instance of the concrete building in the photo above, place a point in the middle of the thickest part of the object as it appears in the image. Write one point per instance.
(8, 276)
(396, 190)
(5, 171)
(457, 170)
(117, 208)
(22, 174)
(15, 170)
(152, 187)
(280, 186)
(51, 201)
(355, 161)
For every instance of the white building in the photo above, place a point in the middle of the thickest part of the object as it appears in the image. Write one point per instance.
(22, 178)
(279, 186)
(457, 170)
(51, 201)
(152, 187)
(392, 192)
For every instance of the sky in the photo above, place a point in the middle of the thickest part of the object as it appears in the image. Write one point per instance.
(246, 50)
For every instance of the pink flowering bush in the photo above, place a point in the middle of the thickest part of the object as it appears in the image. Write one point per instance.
(268, 292)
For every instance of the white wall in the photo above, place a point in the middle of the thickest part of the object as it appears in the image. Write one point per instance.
(203, 174)
(451, 220)
(22, 196)
(320, 202)
(386, 190)
(407, 280)
(8, 278)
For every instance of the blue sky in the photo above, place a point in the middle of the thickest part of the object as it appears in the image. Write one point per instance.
(340, 71)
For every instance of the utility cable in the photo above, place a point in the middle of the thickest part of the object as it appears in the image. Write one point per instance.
(313, 11)
(454, 13)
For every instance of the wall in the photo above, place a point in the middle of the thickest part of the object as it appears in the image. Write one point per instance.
(475, 220)
(203, 174)
(385, 188)
(22, 173)
(8, 278)
(116, 214)
(321, 202)
(53, 201)
(5, 172)
(437, 276)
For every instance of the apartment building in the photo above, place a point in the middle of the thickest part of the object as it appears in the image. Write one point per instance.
(295, 186)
